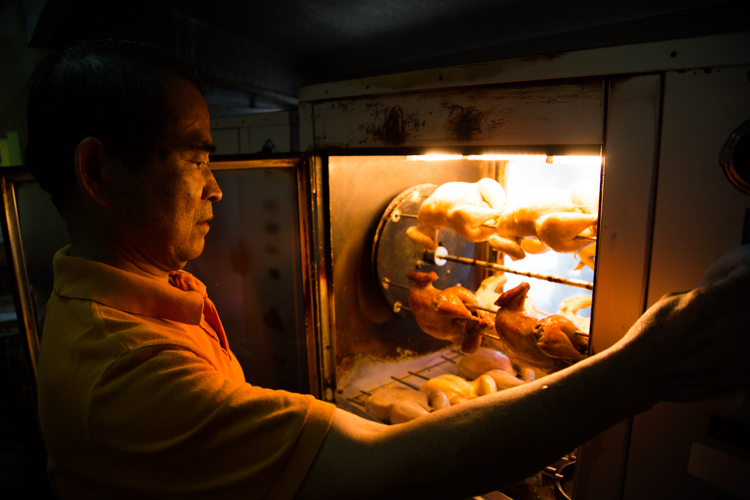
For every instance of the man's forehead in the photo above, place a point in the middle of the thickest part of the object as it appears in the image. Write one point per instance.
(183, 138)
(190, 123)
(186, 104)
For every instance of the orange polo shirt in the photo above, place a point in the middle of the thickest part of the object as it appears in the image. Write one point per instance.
(136, 399)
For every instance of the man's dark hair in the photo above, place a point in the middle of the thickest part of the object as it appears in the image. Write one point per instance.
(109, 89)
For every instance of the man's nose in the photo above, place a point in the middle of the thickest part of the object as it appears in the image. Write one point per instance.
(211, 189)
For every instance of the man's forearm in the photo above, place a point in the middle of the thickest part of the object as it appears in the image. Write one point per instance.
(484, 443)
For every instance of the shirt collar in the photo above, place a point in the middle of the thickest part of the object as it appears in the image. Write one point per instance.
(79, 278)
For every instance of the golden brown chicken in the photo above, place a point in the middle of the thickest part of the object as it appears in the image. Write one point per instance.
(449, 314)
(462, 206)
(516, 331)
(533, 343)
(550, 216)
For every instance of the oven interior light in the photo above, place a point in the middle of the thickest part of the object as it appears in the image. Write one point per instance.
(557, 159)
(434, 157)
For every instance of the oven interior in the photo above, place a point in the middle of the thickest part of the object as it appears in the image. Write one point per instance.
(378, 343)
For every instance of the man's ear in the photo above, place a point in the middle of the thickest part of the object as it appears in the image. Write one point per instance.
(90, 159)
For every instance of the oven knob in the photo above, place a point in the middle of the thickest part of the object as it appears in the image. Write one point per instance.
(735, 158)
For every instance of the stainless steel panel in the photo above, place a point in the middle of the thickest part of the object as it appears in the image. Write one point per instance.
(570, 112)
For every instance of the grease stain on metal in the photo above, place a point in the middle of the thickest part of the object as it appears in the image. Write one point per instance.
(613, 240)
(463, 122)
(392, 130)
(391, 124)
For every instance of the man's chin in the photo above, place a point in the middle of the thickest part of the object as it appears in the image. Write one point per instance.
(192, 252)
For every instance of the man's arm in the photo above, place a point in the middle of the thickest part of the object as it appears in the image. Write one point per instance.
(687, 347)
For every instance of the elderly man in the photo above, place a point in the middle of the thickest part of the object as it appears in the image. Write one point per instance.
(140, 395)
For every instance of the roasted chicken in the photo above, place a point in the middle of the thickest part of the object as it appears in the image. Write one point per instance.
(533, 343)
(485, 359)
(558, 337)
(397, 404)
(457, 389)
(449, 314)
(554, 217)
(504, 380)
(570, 307)
(490, 289)
(462, 206)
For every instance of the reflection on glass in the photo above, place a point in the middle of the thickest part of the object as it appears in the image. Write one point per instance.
(251, 267)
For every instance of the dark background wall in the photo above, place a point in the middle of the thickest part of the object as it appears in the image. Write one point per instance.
(258, 53)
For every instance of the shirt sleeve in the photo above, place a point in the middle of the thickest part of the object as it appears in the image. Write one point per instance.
(168, 422)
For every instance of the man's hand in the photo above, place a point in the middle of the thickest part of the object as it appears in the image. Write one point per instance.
(700, 339)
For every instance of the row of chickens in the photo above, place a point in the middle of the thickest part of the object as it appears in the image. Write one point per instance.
(547, 219)
(545, 343)
(531, 341)
(484, 372)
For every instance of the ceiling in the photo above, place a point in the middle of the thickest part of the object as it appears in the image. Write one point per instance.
(258, 53)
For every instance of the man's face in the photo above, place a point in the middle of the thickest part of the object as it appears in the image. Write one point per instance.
(163, 209)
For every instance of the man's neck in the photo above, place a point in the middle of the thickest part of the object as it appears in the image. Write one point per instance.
(118, 260)
(91, 240)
